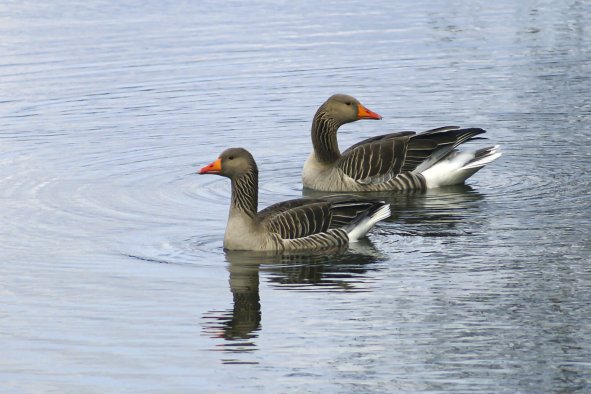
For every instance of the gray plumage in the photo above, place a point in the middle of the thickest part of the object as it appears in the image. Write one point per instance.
(395, 161)
(299, 224)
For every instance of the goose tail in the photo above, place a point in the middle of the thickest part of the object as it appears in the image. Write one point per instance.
(457, 166)
(364, 222)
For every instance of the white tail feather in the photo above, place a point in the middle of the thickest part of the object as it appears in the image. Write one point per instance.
(360, 229)
(459, 166)
(482, 161)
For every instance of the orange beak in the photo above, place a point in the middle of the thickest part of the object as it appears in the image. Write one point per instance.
(364, 113)
(213, 168)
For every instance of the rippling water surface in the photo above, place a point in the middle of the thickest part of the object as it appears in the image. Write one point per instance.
(112, 272)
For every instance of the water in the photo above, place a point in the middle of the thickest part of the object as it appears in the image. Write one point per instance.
(112, 274)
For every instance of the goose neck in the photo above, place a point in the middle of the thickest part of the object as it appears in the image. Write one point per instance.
(324, 137)
(245, 193)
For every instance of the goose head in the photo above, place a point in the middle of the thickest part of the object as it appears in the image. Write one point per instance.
(232, 163)
(345, 109)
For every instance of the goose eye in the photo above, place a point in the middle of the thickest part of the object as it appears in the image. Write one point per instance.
(349, 103)
(231, 157)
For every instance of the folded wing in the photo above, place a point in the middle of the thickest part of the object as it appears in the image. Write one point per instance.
(382, 158)
(307, 216)
(297, 218)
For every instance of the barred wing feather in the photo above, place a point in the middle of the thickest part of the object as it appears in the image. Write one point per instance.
(298, 221)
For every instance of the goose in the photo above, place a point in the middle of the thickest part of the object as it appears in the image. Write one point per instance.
(299, 224)
(397, 161)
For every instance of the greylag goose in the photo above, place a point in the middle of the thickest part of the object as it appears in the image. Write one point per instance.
(398, 161)
(300, 224)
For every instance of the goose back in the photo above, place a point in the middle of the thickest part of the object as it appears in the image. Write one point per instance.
(297, 221)
(395, 161)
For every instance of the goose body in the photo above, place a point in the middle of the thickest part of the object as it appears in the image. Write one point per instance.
(397, 161)
(299, 224)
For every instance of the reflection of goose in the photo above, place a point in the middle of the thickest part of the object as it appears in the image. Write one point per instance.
(241, 323)
(346, 271)
(301, 224)
(246, 314)
(396, 161)
(341, 270)
(453, 201)
(451, 210)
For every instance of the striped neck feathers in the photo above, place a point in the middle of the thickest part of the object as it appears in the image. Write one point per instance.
(324, 137)
(245, 194)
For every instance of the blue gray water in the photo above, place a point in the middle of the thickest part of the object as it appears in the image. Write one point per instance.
(112, 273)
